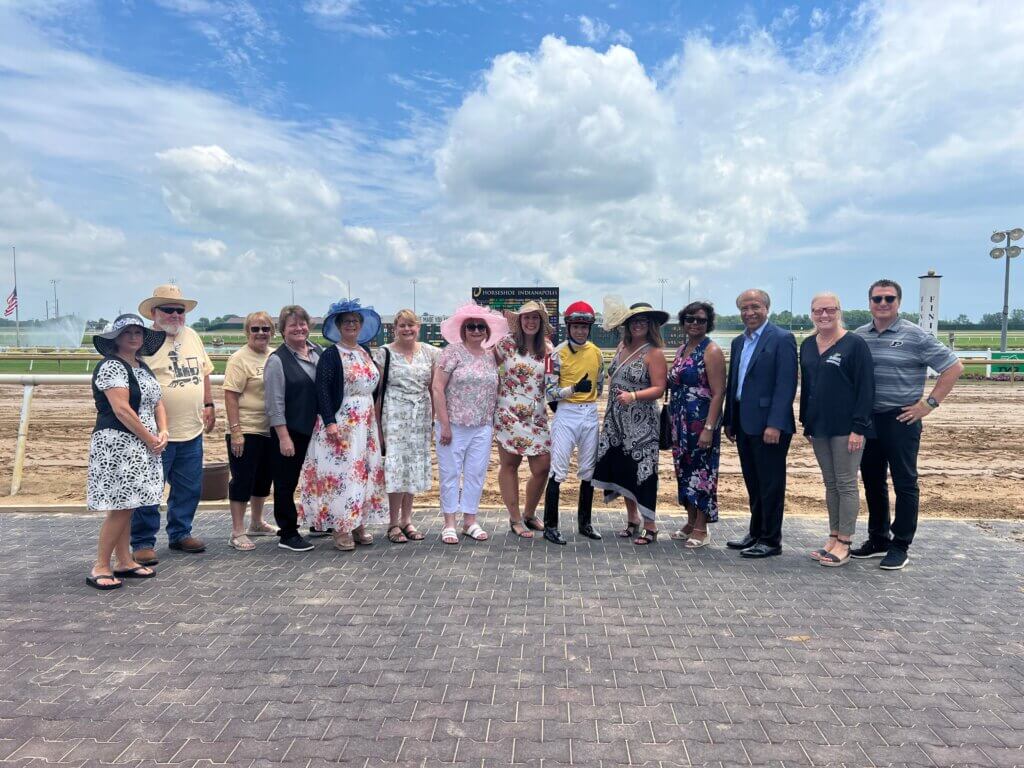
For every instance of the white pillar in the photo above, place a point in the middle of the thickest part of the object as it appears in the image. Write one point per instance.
(929, 317)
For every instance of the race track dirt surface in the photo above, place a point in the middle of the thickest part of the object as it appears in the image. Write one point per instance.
(971, 461)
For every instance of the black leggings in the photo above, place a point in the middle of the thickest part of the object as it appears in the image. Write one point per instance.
(252, 472)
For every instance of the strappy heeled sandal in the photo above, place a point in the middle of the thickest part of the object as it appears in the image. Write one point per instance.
(629, 531)
(646, 537)
(817, 553)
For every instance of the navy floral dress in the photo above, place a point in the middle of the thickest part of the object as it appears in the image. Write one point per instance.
(690, 400)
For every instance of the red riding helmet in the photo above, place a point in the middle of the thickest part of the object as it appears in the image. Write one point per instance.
(579, 312)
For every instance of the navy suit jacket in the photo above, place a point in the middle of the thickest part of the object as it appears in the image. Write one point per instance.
(769, 386)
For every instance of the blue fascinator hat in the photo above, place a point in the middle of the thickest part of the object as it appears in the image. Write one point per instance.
(369, 329)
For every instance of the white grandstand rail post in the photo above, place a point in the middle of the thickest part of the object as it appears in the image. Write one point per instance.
(22, 444)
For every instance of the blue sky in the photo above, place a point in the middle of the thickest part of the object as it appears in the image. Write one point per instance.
(235, 145)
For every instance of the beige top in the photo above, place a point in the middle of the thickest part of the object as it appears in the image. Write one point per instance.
(180, 366)
(244, 375)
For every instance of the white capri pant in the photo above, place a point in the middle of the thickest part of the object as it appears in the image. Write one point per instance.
(464, 459)
(575, 425)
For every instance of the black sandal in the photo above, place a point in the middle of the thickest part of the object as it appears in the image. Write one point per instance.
(94, 581)
(831, 561)
(412, 534)
(138, 572)
(817, 553)
(397, 538)
(533, 523)
(629, 531)
(527, 534)
(646, 537)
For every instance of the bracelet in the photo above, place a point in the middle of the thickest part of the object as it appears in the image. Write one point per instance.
(234, 426)
(207, 405)
(635, 398)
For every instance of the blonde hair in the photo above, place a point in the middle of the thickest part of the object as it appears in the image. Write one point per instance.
(835, 298)
(260, 315)
(407, 315)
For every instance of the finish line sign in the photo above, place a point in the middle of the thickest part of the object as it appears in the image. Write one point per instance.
(511, 299)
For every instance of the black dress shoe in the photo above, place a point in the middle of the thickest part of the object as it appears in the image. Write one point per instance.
(589, 532)
(746, 541)
(554, 536)
(761, 550)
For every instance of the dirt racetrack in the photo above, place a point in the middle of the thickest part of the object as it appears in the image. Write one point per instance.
(971, 461)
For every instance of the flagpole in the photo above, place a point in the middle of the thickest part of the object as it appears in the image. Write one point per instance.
(17, 303)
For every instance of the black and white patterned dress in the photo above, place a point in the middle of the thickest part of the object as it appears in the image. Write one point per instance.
(627, 452)
(123, 473)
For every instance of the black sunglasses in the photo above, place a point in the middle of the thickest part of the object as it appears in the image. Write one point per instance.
(261, 328)
(475, 327)
(694, 319)
(172, 310)
(887, 299)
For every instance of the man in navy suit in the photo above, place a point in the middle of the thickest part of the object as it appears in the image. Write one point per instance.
(759, 419)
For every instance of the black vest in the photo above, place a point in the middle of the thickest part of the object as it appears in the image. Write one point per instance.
(299, 394)
(105, 416)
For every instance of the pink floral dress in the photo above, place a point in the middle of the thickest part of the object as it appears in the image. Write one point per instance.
(521, 419)
(342, 480)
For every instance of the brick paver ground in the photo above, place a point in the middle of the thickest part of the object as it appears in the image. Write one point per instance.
(513, 652)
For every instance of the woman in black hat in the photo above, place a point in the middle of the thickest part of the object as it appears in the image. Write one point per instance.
(124, 455)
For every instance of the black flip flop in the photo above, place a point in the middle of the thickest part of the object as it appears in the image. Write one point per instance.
(139, 572)
(94, 582)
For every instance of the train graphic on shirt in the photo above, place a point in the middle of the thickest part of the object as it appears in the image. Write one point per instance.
(183, 374)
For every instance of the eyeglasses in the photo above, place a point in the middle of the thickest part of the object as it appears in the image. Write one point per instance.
(261, 328)
(172, 310)
(824, 311)
(890, 299)
(352, 321)
(477, 327)
(639, 321)
(695, 320)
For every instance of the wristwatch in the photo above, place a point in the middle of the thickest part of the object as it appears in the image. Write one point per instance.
(932, 402)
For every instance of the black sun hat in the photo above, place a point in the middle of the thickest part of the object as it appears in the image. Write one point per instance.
(106, 342)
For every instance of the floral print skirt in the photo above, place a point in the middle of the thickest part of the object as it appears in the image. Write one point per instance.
(342, 481)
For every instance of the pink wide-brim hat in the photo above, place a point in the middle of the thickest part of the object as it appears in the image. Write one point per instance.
(452, 327)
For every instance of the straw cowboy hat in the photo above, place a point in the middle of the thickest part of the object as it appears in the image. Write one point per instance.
(165, 294)
(451, 329)
(527, 308)
(106, 343)
(617, 314)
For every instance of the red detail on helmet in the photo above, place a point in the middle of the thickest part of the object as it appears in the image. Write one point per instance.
(579, 312)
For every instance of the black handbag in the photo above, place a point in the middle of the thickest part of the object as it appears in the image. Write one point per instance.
(382, 387)
(665, 426)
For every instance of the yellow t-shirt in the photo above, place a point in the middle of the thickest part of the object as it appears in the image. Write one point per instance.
(244, 375)
(180, 366)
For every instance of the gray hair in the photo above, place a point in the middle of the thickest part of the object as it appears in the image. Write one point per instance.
(762, 295)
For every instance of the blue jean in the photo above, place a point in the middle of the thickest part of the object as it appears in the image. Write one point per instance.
(183, 470)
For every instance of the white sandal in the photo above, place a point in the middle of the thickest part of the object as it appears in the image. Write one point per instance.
(476, 533)
(242, 543)
(449, 536)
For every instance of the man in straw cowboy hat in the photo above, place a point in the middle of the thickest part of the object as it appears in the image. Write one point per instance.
(574, 383)
(183, 369)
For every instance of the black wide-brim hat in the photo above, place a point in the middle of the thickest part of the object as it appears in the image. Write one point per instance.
(106, 342)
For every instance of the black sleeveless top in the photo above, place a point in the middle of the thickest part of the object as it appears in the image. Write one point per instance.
(105, 416)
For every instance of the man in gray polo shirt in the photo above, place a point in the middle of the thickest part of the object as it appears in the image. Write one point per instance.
(902, 354)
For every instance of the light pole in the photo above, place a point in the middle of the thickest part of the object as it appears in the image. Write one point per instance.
(292, 284)
(56, 304)
(1010, 252)
(662, 280)
(792, 282)
(414, 281)
(690, 280)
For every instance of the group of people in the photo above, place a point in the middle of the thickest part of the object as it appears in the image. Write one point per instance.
(350, 428)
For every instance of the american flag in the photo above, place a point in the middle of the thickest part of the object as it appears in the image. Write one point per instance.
(12, 303)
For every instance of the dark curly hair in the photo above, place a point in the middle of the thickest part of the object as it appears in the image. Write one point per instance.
(693, 306)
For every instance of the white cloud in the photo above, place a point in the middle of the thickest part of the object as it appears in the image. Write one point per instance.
(210, 249)
(593, 30)
(346, 16)
(208, 189)
(819, 18)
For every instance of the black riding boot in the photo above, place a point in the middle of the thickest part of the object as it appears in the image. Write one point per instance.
(551, 532)
(584, 511)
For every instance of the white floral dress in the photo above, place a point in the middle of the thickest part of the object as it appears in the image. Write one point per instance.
(521, 419)
(406, 416)
(123, 473)
(342, 479)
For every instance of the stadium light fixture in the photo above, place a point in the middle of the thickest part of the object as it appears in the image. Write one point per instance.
(1009, 252)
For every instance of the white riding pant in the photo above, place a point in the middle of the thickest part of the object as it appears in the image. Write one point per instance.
(575, 426)
(462, 465)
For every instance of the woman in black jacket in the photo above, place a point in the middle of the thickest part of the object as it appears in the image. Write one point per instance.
(837, 389)
(342, 480)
